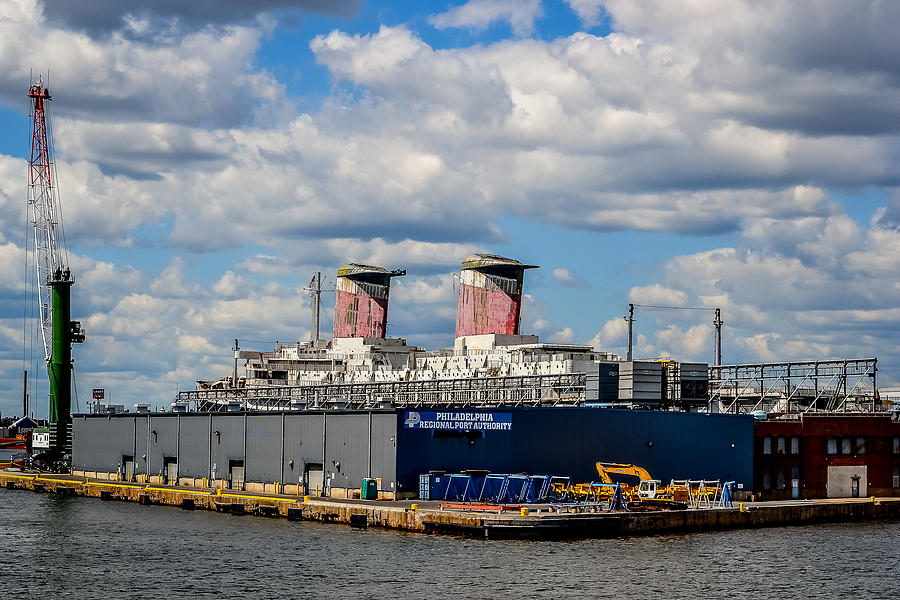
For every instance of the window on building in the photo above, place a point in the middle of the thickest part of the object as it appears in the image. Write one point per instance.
(782, 483)
(897, 444)
(846, 446)
(896, 478)
(767, 446)
(780, 444)
(795, 445)
(832, 446)
(860, 445)
(767, 479)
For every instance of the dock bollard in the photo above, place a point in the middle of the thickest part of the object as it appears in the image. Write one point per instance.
(524, 511)
(413, 507)
(741, 507)
(305, 499)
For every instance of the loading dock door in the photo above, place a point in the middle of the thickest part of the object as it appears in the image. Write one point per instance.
(171, 470)
(847, 481)
(128, 467)
(315, 479)
(236, 474)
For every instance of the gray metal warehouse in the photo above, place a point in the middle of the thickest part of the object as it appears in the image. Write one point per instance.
(330, 452)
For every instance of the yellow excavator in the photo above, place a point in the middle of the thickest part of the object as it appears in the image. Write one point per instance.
(641, 490)
(629, 478)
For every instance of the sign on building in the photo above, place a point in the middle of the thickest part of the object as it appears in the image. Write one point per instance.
(98, 393)
(458, 420)
(40, 439)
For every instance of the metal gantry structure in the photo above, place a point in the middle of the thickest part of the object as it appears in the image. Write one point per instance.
(526, 390)
(846, 385)
(827, 386)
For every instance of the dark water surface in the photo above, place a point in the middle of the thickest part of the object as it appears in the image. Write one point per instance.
(82, 548)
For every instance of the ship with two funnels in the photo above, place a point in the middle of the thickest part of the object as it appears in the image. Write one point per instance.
(488, 341)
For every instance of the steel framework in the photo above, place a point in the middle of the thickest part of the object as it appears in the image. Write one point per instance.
(528, 390)
(48, 259)
(792, 387)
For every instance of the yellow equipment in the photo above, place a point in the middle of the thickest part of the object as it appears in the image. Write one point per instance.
(624, 474)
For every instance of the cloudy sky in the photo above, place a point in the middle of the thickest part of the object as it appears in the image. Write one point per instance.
(212, 155)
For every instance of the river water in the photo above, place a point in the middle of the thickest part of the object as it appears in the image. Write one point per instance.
(82, 548)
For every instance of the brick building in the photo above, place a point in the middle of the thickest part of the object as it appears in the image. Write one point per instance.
(826, 456)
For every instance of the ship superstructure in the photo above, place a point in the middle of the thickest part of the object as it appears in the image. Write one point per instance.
(488, 343)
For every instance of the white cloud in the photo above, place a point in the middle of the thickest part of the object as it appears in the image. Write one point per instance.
(658, 295)
(563, 336)
(587, 10)
(202, 76)
(377, 251)
(196, 344)
(230, 285)
(693, 344)
(759, 344)
(564, 277)
(173, 283)
(477, 14)
(612, 337)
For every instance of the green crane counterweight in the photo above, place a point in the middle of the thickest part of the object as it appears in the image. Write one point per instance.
(59, 368)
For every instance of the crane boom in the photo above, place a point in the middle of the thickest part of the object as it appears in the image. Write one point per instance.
(48, 259)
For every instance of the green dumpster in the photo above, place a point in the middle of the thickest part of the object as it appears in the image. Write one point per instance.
(369, 490)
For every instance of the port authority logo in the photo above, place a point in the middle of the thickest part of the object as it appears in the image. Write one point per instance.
(460, 421)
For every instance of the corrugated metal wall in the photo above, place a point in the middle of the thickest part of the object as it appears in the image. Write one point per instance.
(568, 441)
(264, 446)
(193, 456)
(101, 442)
(302, 445)
(202, 443)
(163, 441)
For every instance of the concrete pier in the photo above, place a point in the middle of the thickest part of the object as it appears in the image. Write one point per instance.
(536, 522)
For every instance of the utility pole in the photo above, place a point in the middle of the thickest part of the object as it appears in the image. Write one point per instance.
(717, 322)
(630, 319)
